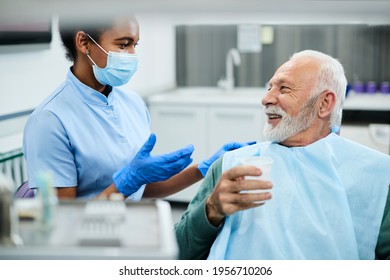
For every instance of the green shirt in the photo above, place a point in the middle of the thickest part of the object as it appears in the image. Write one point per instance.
(195, 235)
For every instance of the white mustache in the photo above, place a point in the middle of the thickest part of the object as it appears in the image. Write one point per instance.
(275, 110)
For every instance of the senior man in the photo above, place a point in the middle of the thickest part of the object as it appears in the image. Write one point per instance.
(327, 197)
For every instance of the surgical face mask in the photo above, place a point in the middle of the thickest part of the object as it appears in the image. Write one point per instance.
(119, 69)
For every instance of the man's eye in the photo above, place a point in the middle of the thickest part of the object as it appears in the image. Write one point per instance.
(284, 89)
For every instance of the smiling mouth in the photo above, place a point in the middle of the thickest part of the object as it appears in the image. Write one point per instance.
(274, 116)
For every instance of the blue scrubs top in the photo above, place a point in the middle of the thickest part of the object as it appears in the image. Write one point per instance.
(81, 137)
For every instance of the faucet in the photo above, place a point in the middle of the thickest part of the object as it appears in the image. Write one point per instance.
(232, 57)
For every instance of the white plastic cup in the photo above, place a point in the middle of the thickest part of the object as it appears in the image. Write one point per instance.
(263, 163)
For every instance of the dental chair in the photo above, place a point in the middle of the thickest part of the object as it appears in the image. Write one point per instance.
(24, 191)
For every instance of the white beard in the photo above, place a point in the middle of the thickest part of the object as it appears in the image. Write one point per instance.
(289, 126)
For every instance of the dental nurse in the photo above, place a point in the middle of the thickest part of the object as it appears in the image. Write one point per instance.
(94, 138)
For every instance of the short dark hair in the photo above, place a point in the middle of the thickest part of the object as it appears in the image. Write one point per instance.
(69, 27)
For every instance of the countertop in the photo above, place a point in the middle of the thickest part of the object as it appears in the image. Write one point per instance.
(209, 96)
(252, 97)
(367, 101)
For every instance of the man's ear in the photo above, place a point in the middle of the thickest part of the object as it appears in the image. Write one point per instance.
(82, 42)
(327, 102)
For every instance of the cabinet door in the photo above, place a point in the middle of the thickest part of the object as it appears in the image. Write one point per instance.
(237, 123)
(375, 136)
(175, 127)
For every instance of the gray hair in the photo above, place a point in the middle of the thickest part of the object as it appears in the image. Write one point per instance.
(331, 77)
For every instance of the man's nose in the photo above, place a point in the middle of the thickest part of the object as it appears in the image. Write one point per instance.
(270, 98)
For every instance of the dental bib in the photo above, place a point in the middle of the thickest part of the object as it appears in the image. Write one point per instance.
(327, 203)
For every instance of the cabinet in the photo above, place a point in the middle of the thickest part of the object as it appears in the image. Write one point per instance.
(176, 126)
(375, 136)
(205, 120)
(239, 123)
(366, 120)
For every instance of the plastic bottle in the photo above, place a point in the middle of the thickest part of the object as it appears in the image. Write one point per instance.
(48, 200)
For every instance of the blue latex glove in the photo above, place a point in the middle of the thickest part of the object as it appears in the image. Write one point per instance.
(144, 168)
(205, 165)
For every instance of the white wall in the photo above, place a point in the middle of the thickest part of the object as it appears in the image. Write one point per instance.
(156, 50)
(29, 73)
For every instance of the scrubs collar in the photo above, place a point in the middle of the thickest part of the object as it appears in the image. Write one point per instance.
(87, 93)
